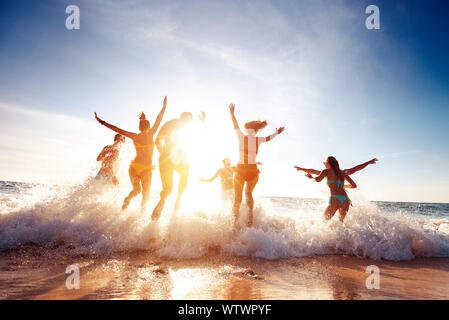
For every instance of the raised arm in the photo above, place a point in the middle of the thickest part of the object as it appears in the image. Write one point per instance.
(360, 166)
(127, 134)
(319, 177)
(352, 184)
(159, 117)
(275, 134)
(309, 171)
(234, 120)
(202, 117)
(213, 178)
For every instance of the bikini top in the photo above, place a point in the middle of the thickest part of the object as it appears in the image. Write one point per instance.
(143, 146)
(339, 183)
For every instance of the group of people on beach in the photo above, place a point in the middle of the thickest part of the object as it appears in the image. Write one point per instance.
(233, 179)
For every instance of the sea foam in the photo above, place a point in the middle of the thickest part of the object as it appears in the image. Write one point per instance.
(87, 218)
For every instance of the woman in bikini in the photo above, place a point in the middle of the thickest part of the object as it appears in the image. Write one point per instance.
(336, 177)
(347, 171)
(141, 168)
(247, 171)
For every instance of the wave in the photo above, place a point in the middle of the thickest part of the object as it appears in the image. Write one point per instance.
(87, 219)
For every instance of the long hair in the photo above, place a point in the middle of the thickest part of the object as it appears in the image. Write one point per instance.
(335, 167)
(144, 124)
(256, 125)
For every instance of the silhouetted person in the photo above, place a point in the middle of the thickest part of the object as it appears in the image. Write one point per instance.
(172, 158)
(226, 175)
(247, 171)
(140, 169)
(336, 178)
(109, 160)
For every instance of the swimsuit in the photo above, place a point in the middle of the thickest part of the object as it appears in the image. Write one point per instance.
(340, 198)
(248, 149)
(247, 171)
(339, 183)
(141, 146)
(139, 167)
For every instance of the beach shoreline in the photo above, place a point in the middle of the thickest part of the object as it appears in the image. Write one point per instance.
(36, 273)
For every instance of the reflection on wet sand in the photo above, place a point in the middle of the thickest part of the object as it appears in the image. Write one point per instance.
(141, 276)
(213, 284)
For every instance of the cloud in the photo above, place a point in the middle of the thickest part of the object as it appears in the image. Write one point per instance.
(290, 55)
(40, 146)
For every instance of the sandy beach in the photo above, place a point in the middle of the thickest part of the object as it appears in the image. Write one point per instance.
(224, 150)
(32, 273)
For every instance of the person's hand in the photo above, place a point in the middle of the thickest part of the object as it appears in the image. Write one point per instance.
(259, 163)
(309, 176)
(98, 118)
(280, 130)
(165, 101)
(202, 180)
(232, 108)
(297, 168)
(202, 116)
(373, 161)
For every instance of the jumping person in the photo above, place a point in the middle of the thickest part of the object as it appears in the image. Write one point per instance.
(226, 175)
(247, 171)
(172, 158)
(336, 177)
(347, 171)
(140, 169)
(109, 158)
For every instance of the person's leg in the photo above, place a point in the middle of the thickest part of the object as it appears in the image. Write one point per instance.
(250, 185)
(146, 185)
(135, 181)
(183, 171)
(166, 172)
(238, 190)
(344, 210)
(331, 208)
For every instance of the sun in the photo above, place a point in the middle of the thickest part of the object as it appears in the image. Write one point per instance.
(204, 146)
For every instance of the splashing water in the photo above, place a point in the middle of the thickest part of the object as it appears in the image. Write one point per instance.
(87, 218)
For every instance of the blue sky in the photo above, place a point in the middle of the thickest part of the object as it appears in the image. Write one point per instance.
(312, 66)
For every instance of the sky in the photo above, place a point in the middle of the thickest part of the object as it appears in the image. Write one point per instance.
(311, 66)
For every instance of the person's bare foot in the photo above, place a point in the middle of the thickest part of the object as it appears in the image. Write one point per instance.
(157, 210)
(125, 204)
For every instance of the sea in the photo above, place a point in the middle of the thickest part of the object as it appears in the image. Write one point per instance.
(87, 219)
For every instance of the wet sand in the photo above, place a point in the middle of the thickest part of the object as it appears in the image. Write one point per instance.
(35, 273)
